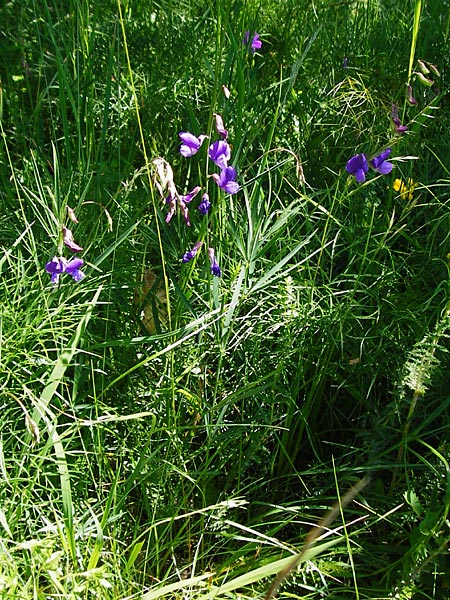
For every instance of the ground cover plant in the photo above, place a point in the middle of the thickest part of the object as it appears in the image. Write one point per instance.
(225, 299)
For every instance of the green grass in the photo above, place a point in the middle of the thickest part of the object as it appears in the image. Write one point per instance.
(165, 433)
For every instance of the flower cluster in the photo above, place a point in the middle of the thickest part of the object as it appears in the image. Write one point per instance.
(358, 165)
(219, 153)
(405, 189)
(59, 264)
(421, 75)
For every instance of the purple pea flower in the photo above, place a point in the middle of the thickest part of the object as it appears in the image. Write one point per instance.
(56, 267)
(220, 153)
(399, 128)
(220, 128)
(73, 268)
(171, 200)
(191, 144)
(215, 269)
(205, 204)
(256, 43)
(358, 166)
(59, 265)
(380, 164)
(183, 200)
(188, 197)
(227, 180)
(190, 255)
(69, 241)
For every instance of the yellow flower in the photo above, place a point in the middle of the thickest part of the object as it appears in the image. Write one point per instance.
(406, 190)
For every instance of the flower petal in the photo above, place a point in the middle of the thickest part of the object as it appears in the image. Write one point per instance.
(232, 187)
(191, 194)
(360, 175)
(184, 211)
(385, 168)
(69, 241)
(230, 173)
(171, 201)
(188, 138)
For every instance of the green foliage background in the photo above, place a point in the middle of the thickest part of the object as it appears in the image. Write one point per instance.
(165, 433)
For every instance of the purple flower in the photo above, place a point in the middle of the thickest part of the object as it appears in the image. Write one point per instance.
(399, 128)
(73, 268)
(183, 200)
(190, 255)
(227, 180)
(171, 200)
(380, 164)
(220, 128)
(220, 153)
(69, 241)
(191, 144)
(358, 166)
(204, 205)
(56, 267)
(256, 43)
(188, 197)
(59, 265)
(215, 269)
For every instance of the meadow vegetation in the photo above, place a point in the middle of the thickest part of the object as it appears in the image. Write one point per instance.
(181, 404)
